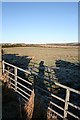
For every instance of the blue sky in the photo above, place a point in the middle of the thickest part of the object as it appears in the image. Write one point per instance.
(0, 21)
(39, 22)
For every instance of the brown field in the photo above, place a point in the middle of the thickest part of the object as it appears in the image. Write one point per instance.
(49, 55)
(67, 75)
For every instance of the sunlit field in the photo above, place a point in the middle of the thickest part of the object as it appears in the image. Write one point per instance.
(49, 55)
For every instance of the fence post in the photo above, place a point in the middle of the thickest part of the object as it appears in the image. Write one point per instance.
(66, 103)
(15, 72)
(3, 68)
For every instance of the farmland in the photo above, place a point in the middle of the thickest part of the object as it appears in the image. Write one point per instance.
(67, 73)
(49, 55)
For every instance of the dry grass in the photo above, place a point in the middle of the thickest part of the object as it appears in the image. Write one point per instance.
(49, 55)
(29, 107)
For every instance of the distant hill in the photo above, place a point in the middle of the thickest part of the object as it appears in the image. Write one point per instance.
(39, 45)
(65, 44)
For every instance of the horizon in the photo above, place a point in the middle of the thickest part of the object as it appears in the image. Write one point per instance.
(44, 43)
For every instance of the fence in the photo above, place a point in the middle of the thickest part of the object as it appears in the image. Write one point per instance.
(61, 106)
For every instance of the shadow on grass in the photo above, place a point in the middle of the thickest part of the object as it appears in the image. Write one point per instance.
(68, 73)
(19, 61)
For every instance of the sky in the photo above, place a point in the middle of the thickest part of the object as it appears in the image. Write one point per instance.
(0, 21)
(39, 22)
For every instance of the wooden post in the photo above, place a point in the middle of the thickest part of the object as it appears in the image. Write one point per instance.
(3, 70)
(66, 103)
(15, 78)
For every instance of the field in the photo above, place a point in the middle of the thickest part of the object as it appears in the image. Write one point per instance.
(67, 74)
(49, 55)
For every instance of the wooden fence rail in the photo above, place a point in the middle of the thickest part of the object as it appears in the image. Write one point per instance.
(24, 88)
